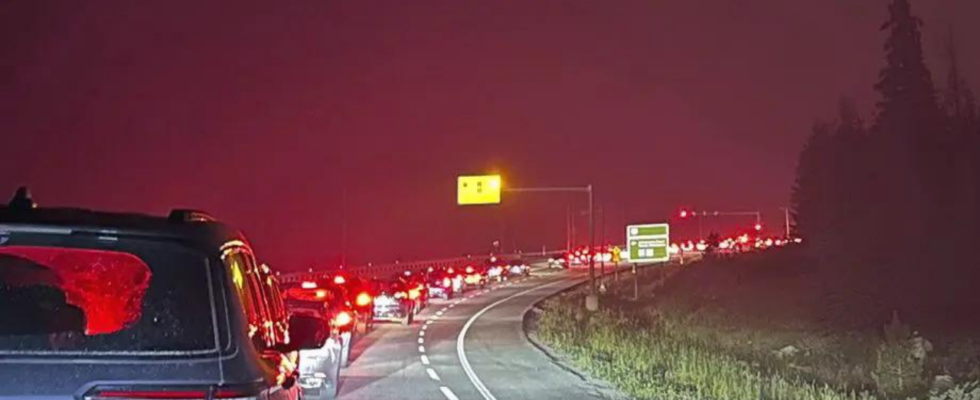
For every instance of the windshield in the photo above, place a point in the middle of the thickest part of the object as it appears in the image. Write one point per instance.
(102, 296)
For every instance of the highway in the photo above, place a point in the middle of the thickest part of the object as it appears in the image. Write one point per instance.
(469, 347)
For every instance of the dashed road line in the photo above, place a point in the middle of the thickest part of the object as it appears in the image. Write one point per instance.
(425, 359)
(448, 393)
(421, 349)
(432, 374)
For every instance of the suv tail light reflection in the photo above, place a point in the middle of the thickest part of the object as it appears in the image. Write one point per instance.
(179, 393)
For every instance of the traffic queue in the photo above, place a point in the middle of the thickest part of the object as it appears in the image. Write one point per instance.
(349, 305)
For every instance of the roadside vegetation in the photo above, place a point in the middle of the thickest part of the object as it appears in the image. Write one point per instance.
(754, 327)
(880, 301)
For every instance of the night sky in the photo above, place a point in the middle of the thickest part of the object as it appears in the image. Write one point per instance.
(264, 114)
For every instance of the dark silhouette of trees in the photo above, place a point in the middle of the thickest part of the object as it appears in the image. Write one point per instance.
(892, 209)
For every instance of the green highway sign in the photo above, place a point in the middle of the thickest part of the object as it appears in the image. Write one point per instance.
(648, 242)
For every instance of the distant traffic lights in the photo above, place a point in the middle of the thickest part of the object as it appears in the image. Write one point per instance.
(758, 227)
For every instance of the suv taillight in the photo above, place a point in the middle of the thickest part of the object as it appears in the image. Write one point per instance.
(176, 393)
(342, 318)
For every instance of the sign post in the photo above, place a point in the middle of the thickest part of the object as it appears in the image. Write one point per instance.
(648, 242)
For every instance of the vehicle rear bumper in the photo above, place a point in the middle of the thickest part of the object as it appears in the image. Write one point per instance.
(389, 312)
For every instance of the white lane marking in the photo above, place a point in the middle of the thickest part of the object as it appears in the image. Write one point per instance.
(461, 339)
(421, 340)
(426, 326)
(425, 359)
(422, 332)
(439, 313)
(452, 305)
(421, 349)
(432, 374)
(448, 393)
(429, 322)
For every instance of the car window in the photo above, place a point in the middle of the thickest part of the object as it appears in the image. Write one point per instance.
(102, 296)
(244, 278)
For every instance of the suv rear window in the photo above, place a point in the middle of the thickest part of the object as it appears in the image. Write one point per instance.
(67, 294)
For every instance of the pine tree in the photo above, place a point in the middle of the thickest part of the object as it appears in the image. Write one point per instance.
(911, 143)
(959, 104)
(849, 149)
(810, 199)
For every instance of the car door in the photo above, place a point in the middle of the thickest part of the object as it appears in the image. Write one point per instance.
(263, 318)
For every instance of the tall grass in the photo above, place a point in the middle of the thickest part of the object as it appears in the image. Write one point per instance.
(654, 361)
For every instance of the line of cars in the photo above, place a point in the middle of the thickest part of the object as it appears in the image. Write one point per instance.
(350, 305)
(108, 306)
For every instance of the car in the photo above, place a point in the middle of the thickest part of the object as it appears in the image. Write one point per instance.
(99, 305)
(360, 294)
(440, 283)
(392, 302)
(320, 368)
(518, 267)
(475, 277)
(556, 262)
(417, 289)
(328, 303)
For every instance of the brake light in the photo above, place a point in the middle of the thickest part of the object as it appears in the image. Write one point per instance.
(449, 271)
(414, 294)
(181, 394)
(446, 282)
(343, 318)
(339, 279)
(321, 294)
(362, 299)
(469, 270)
(308, 285)
(400, 295)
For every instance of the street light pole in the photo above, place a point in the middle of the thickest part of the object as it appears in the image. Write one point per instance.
(591, 301)
(591, 244)
(786, 220)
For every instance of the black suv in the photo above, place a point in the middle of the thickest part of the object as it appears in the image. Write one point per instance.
(97, 305)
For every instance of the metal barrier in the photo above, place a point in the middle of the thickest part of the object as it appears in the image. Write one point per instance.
(387, 270)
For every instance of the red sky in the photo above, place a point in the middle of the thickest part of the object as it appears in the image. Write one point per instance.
(263, 114)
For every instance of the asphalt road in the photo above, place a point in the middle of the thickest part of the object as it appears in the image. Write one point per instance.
(471, 347)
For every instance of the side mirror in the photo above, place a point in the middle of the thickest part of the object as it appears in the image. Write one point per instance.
(306, 333)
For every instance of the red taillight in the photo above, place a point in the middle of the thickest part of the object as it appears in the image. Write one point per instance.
(446, 282)
(339, 279)
(362, 299)
(321, 294)
(180, 394)
(469, 270)
(414, 294)
(343, 318)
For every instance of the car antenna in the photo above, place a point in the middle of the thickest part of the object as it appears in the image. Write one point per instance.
(22, 200)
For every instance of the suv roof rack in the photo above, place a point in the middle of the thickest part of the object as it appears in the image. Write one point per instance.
(183, 215)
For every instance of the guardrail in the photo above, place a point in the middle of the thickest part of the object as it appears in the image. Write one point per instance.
(386, 270)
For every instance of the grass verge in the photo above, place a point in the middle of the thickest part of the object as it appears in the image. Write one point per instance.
(697, 332)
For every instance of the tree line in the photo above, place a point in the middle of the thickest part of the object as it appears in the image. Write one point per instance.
(890, 208)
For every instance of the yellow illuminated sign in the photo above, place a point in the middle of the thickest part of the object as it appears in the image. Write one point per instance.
(478, 189)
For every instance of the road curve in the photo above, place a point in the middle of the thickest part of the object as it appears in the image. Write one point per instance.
(491, 360)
